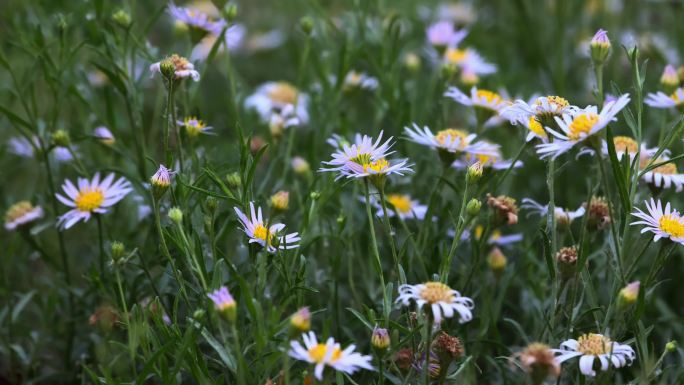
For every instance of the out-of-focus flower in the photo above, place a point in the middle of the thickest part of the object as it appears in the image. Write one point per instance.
(105, 317)
(300, 165)
(282, 119)
(450, 143)
(442, 34)
(264, 41)
(494, 160)
(664, 176)
(667, 223)
(468, 61)
(176, 67)
(663, 100)
(280, 201)
(93, 196)
(232, 39)
(564, 217)
(257, 232)
(301, 320)
(440, 300)
(20, 214)
(272, 97)
(196, 19)
(403, 206)
(497, 261)
(539, 361)
(359, 80)
(505, 208)
(598, 213)
(328, 354)
(478, 98)
(590, 347)
(495, 237)
(600, 47)
(194, 126)
(412, 61)
(669, 80)
(105, 136)
(224, 303)
(629, 294)
(404, 359)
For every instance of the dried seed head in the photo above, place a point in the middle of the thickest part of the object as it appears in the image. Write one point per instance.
(506, 208)
(448, 348)
(599, 213)
(404, 359)
(566, 258)
(539, 362)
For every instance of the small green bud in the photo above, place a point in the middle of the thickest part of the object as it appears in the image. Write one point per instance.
(671, 346)
(167, 67)
(234, 180)
(117, 249)
(176, 215)
(474, 172)
(629, 294)
(473, 207)
(306, 24)
(315, 195)
(61, 138)
(122, 18)
(212, 203)
(600, 47)
(230, 12)
(198, 314)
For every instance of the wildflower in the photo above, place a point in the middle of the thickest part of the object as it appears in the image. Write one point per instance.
(105, 136)
(360, 80)
(61, 138)
(566, 259)
(257, 232)
(175, 67)
(160, 181)
(194, 126)
(494, 160)
(329, 354)
(669, 79)
(91, 197)
(280, 201)
(176, 215)
(105, 318)
(301, 320)
(495, 237)
(505, 207)
(122, 18)
(671, 346)
(538, 113)
(468, 61)
(564, 217)
(579, 126)
(224, 303)
(447, 348)
(300, 165)
(450, 142)
(663, 100)
(440, 300)
(664, 224)
(433, 366)
(497, 261)
(280, 120)
(664, 176)
(380, 338)
(624, 145)
(272, 97)
(539, 361)
(482, 100)
(629, 294)
(404, 359)
(590, 347)
(598, 212)
(20, 214)
(443, 34)
(404, 207)
(232, 40)
(474, 172)
(196, 19)
(600, 47)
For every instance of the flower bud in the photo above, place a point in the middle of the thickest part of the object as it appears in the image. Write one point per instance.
(629, 294)
(473, 207)
(105, 136)
(300, 165)
(447, 348)
(404, 359)
(198, 314)
(280, 201)
(230, 12)
(306, 24)
(380, 338)
(61, 138)
(224, 303)
(474, 172)
(301, 320)
(160, 181)
(105, 318)
(670, 79)
(505, 209)
(497, 261)
(539, 361)
(117, 249)
(122, 18)
(600, 47)
(234, 180)
(671, 346)
(167, 67)
(176, 215)
(412, 62)
(315, 195)
(212, 203)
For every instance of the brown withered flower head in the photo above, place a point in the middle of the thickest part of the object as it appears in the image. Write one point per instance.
(404, 359)
(505, 208)
(566, 258)
(598, 213)
(448, 348)
(104, 317)
(538, 361)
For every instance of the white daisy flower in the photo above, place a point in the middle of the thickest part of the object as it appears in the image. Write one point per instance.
(402, 205)
(441, 300)
(90, 197)
(451, 140)
(271, 97)
(543, 108)
(469, 61)
(264, 41)
(480, 98)
(580, 125)
(443, 34)
(563, 216)
(194, 126)
(257, 232)
(182, 67)
(284, 118)
(328, 354)
(22, 213)
(664, 176)
(233, 39)
(663, 100)
(196, 19)
(664, 224)
(590, 347)
(624, 145)
(360, 80)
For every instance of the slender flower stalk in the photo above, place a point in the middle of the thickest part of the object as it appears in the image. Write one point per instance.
(376, 253)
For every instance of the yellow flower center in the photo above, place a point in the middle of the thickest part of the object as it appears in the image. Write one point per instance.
(450, 135)
(376, 167)
(675, 97)
(455, 55)
(496, 234)
(489, 96)
(193, 126)
(284, 93)
(594, 344)
(18, 210)
(537, 128)
(179, 62)
(666, 169)
(557, 100)
(478, 231)
(318, 352)
(625, 144)
(672, 224)
(89, 200)
(400, 202)
(354, 78)
(262, 233)
(434, 292)
(582, 124)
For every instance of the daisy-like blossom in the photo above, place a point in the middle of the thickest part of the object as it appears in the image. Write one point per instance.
(666, 223)
(663, 100)
(479, 98)
(182, 67)
(441, 300)
(469, 61)
(590, 347)
(272, 97)
(579, 125)
(328, 354)
(443, 34)
(403, 206)
(542, 108)
(256, 230)
(233, 39)
(670, 77)
(21, 213)
(494, 160)
(451, 140)
(664, 176)
(90, 197)
(222, 299)
(103, 134)
(625, 146)
(360, 80)
(20, 146)
(194, 126)
(363, 158)
(196, 19)
(562, 215)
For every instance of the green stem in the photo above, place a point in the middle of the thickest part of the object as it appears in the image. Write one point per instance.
(165, 249)
(551, 209)
(390, 234)
(188, 248)
(376, 253)
(446, 265)
(121, 294)
(238, 354)
(428, 345)
(169, 114)
(100, 237)
(598, 72)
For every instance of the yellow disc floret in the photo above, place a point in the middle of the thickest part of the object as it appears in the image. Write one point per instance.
(435, 292)
(376, 167)
(625, 144)
(537, 128)
(672, 224)
(284, 93)
(261, 232)
(401, 203)
(89, 199)
(490, 98)
(594, 344)
(451, 135)
(582, 124)
(318, 353)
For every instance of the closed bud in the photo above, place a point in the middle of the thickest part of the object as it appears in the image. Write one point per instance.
(61, 138)
(315, 195)
(629, 294)
(670, 79)
(539, 361)
(198, 314)
(212, 204)
(234, 180)
(671, 346)
(117, 249)
(497, 261)
(474, 172)
(473, 207)
(160, 181)
(176, 215)
(224, 303)
(167, 67)
(380, 338)
(122, 18)
(600, 47)
(306, 24)
(300, 165)
(280, 201)
(230, 12)
(412, 62)
(301, 320)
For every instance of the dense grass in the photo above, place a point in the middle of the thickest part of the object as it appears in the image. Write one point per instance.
(122, 297)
